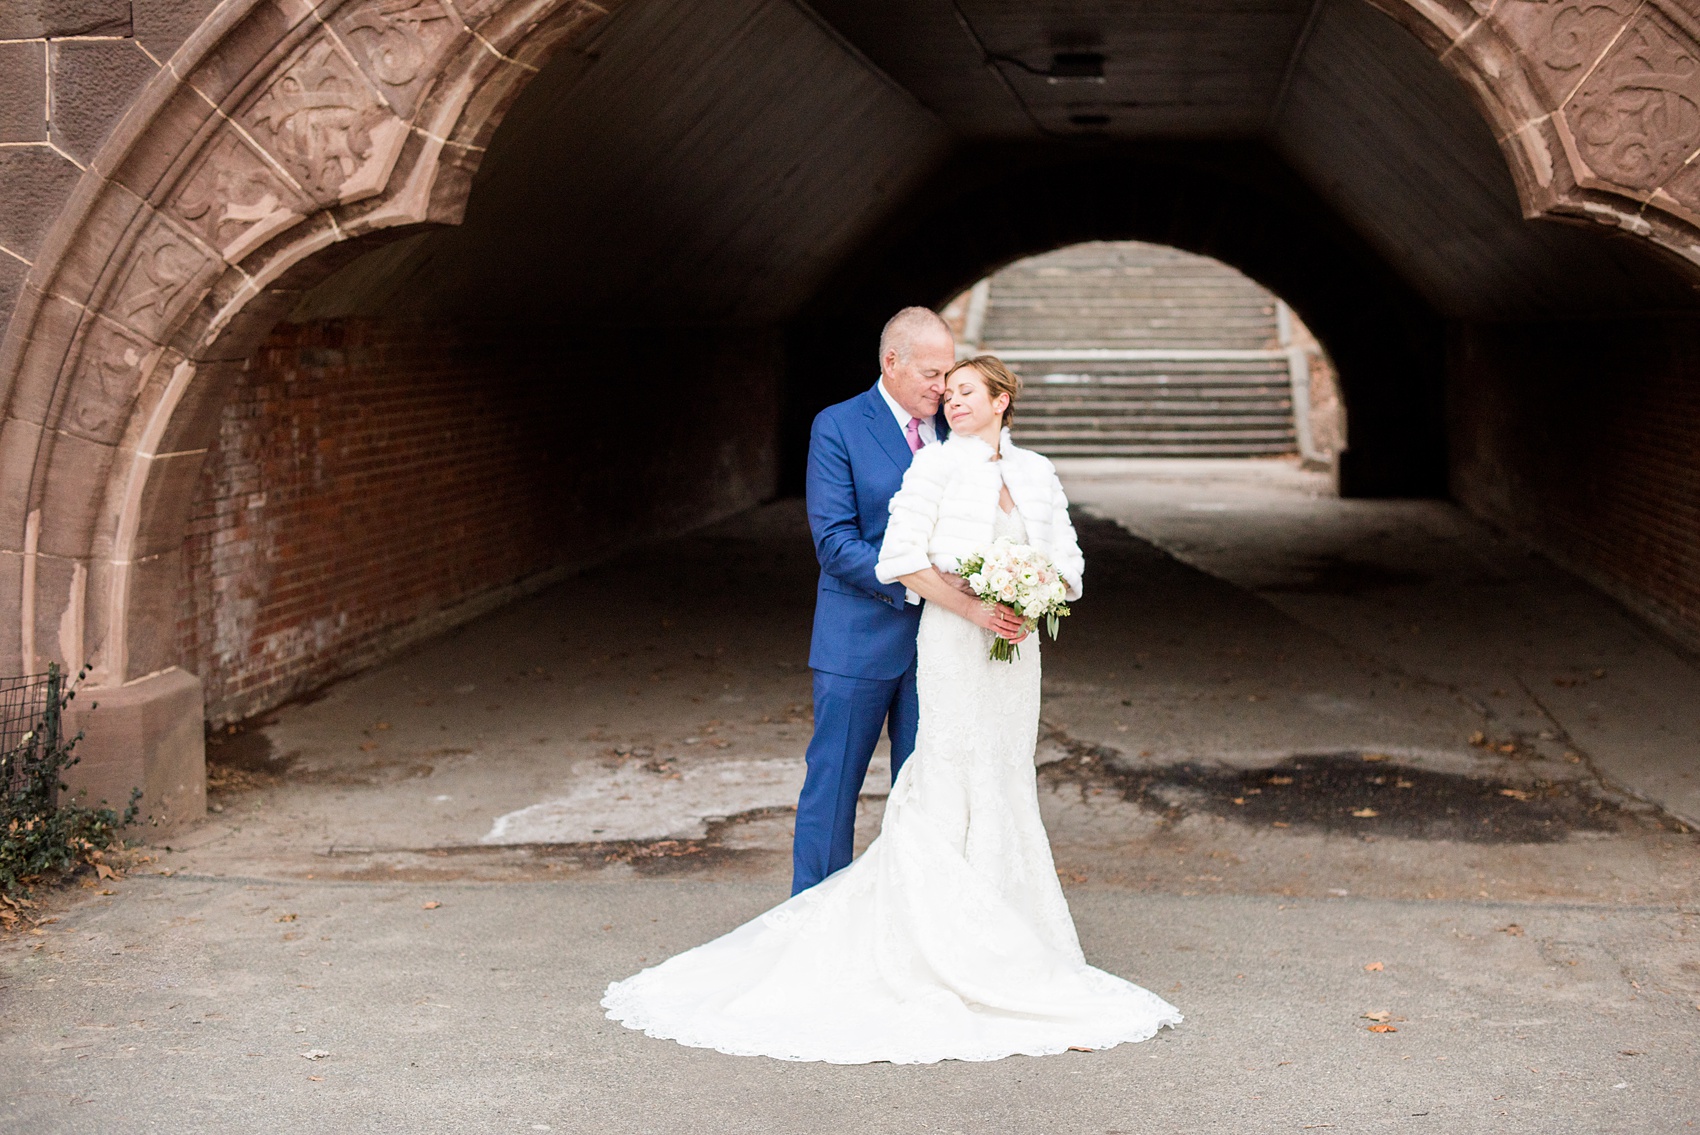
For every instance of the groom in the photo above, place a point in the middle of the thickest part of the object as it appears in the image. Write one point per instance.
(863, 653)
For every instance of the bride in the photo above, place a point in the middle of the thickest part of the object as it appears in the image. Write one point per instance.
(950, 937)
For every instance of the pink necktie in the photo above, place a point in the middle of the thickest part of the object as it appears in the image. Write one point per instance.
(912, 431)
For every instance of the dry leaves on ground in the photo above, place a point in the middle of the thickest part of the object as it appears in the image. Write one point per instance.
(1374, 967)
(432, 905)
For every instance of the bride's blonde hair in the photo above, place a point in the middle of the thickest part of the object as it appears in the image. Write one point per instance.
(999, 380)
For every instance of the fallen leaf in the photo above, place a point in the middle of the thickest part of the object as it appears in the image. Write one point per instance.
(1383, 1029)
(1239, 799)
(317, 1079)
(1380, 1016)
(381, 725)
(1280, 780)
(1374, 967)
(287, 917)
(1512, 929)
(432, 905)
(1078, 1048)
(314, 1054)
(1478, 738)
(1366, 813)
(1279, 824)
(1376, 757)
(1514, 793)
(105, 872)
(106, 892)
(1508, 747)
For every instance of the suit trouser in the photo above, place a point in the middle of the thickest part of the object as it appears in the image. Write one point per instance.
(849, 714)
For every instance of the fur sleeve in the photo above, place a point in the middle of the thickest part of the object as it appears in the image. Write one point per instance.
(914, 512)
(1065, 545)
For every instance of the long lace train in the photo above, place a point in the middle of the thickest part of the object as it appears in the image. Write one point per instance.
(949, 938)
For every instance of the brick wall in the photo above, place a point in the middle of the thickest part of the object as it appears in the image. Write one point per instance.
(1584, 438)
(373, 482)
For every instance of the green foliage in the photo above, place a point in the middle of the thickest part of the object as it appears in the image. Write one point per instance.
(38, 833)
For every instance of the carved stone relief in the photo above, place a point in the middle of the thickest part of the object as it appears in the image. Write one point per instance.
(1635, 120)
(234, 200)
(398, 43)
(1562, 38)
(111, 365)
(326, 125)
(166, 271)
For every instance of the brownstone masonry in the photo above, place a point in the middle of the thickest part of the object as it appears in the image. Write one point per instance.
(479, 220)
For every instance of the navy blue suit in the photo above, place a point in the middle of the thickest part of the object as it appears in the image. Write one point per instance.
(863, 651)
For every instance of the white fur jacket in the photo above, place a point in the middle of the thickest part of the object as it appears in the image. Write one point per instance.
(945, 509)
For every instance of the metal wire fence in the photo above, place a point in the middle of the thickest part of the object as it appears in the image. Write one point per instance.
(30, 724)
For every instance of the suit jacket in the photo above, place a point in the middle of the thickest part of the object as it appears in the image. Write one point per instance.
(857, 458)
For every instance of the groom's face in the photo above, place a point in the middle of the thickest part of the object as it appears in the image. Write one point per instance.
(916, 377)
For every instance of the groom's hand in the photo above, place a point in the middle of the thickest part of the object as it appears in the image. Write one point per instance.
(958, 582)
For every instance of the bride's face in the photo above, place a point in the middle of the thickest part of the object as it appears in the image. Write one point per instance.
(969, 406)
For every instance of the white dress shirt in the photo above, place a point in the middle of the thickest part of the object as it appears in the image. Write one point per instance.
(928, 435)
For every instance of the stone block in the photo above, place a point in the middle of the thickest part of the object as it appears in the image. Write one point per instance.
(43, 357)
(75, 490)
(12, 273)
(34, 184)
(174, 132)
(94, 81)
(170, 490)
(148, 734)
(247, 52)
(23, 92)
(59, 595)
(162, 25)
(151, 613)
(34, 19)
(194, 422)
(19, 444)
(113, 214)
(11, 583)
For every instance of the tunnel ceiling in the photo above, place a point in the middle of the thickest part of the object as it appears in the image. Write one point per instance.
(712, 162)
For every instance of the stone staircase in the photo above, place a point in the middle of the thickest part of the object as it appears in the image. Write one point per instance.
(1138, 350)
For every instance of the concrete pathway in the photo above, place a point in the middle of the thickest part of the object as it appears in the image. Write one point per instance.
(1258, 778)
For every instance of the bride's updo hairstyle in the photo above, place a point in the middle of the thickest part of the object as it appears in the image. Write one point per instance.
(999, 380)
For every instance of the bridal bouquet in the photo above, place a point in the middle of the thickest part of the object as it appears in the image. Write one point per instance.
(1023, 578)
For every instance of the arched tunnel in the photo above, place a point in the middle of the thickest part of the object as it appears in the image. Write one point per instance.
(334, 325)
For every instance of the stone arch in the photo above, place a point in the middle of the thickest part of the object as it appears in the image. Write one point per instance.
(280, 130)
(285, 134)
(1595, 104)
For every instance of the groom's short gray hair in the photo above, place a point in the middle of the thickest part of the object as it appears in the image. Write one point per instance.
(900, 330)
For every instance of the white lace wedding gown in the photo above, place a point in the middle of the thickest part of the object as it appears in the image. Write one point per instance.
(948, 939)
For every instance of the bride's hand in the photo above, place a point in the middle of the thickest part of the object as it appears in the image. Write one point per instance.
(1000, 620)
